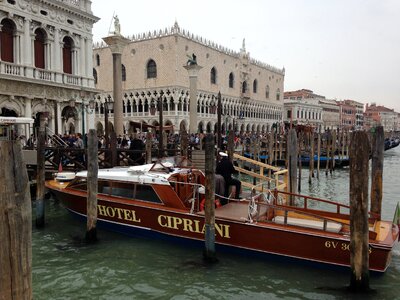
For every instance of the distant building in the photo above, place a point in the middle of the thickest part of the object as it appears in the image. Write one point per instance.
(380, 115)
(46, 61)
(153, 68)
(359, 113)
(301, 95)
(330, 113)
(310, 108)
(347, 114)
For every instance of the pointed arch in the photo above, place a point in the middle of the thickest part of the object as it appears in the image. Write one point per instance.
(151, 69)
(213, 75)
(95, 75)
(123, 72)
(278, 94)
(255, 86)
(244, 87)
(231, 80)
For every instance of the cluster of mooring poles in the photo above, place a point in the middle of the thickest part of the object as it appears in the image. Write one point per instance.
(15, 203)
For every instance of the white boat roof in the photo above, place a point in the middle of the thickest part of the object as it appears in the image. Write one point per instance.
(140, 174)
(15, 120)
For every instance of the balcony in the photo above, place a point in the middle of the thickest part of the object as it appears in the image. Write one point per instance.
(31, 73)
(11, 69)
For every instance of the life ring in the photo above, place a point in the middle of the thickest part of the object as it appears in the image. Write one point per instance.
(203, 203)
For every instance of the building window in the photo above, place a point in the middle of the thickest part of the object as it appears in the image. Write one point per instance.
(213, 76)
(67, 55)
(97, 60)
(267, 92)
(95, 75)
(151, 69)
(244, 87)
(123, 72)
(255, 86)
(39, 44)
(278, 94)
(231, 80)
(7, 40)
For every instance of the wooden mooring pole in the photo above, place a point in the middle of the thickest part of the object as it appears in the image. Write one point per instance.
(15, 224)
(93, 170)
(209, 210)
(40, 172)
(184, 143)
(359, 247)
(148, 147)
(378, 139)
(292, 162)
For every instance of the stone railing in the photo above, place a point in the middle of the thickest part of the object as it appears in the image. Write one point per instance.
(11, 69)
(71, 79)
(28, 72)
(42, 75)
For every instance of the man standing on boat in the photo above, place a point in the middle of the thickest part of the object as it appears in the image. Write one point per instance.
(226, 169)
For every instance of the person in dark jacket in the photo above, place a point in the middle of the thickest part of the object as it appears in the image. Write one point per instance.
(225, 168)
(137, 145)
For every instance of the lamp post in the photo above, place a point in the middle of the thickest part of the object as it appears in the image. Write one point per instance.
(108, 104)
(86, 106)
(219, 113)
(160, 140)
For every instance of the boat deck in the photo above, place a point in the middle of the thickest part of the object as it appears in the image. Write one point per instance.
(237, 211)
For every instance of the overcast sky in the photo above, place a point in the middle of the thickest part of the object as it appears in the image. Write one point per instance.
(341, 49)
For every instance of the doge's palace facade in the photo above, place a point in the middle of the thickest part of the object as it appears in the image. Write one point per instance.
(46, 62)
(153, 69)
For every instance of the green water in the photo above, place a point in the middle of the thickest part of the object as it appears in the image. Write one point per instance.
(120, 267)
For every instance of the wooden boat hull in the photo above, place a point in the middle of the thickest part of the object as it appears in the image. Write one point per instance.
(264, 237)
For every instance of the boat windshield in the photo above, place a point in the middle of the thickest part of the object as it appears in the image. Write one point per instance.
(166, 164)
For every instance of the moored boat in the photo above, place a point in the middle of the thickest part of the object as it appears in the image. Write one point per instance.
(166, 199)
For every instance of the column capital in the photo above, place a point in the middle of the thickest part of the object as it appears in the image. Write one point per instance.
(116, 43)
(193, 70)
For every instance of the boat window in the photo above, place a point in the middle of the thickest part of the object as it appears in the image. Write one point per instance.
(129, 191)
(146, 193)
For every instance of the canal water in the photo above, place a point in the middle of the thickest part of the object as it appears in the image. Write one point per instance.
(120, 267)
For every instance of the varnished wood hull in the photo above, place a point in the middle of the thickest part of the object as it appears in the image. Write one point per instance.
(264, 237)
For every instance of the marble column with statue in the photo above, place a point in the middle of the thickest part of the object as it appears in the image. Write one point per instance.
(117, 43)
(193, 70)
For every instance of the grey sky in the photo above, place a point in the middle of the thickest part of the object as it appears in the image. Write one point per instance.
(343, 49)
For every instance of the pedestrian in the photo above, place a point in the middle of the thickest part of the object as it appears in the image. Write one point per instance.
(225, 168)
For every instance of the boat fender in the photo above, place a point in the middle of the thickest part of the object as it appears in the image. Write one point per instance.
(203, 203)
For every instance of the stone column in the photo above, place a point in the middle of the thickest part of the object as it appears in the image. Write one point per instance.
(89, 62)
(193, 70)
(27, 44)
(28, 114)
(57, 51)
(117, 44)
(58, 118)
(82, 60)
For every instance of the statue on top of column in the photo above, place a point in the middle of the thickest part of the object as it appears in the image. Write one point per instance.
(117, 26)
(192, 60)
